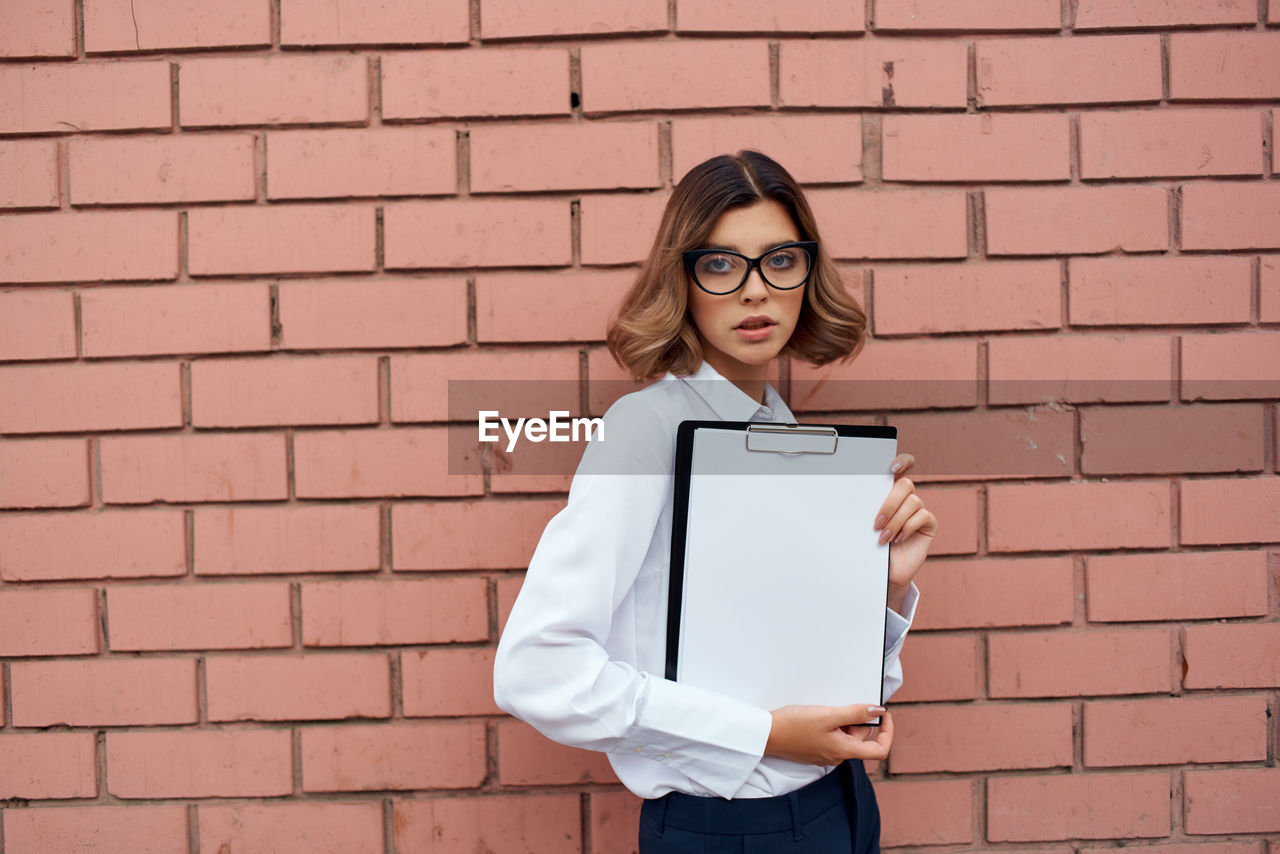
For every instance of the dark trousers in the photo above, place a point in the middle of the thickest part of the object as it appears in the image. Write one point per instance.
(833, 815)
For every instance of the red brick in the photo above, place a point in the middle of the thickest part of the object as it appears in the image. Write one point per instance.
(370, 463)
(527, 758)
(1079, 369)
(446, 682)
(487, 82)
(137, 828)
(151, 320)
(607, 155)
(553, 307)
(37, 325)
(985, 592)
(1114, 291)
(755, 16)
(1232, 655)
(989, 147)
(298, 687)
(489, 823)
(674, 75)
(892, 223)
(1085, 806)
(1086, 516)
(1231, 215)
(1180, 586)
(989, 445)
(194, 467)
(1236, 65)
(348, 22)
(916, 299)
(340, 163)
(92, 544)
(39, 28)
(1150, 143)
(121, 26)
(985, 737)
(967, 15)
(99, 246)
(938, 667)
(275, 391)
(373, 315)
(73, 398)
(113, 692)
(477, 233)
(323, 828)
(1080, 70)
(455, 385)
(1163, 439)
(1238, 800)
(1076, 220)
(47, 765)
(1234, 365)
(44, 473)
(874, 73)
(1175, 731)
(960, 508)
(57, 621)
(274, 90)
(85, 96)
(301, 238)
(615, 822)
(607, 381)
(891, 375)
(199, 764)
(28, 172)
(1164, 13)
(199, 616)
(157, 169)
(427, 755)
(1230, 510)
(619, 229)
(817, 149)
(1192, 848)
(315, 538)
(484, 534)
(1079, 663)
(1269, 311)
(948, 818)
(368, 613)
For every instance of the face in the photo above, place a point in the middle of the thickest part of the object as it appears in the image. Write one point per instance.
(770, 315)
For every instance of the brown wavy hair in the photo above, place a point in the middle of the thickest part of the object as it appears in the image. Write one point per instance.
(652, 332)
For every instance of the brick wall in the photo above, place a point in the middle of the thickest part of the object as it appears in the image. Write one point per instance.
(245, 607)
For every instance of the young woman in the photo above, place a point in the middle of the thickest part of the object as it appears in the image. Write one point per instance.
(737, 276)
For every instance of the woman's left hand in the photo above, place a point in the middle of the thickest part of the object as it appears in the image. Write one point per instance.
(909, 527)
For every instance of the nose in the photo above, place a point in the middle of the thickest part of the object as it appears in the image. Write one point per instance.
(754, 288)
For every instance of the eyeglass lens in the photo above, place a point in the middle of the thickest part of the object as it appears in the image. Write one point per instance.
(723, 272)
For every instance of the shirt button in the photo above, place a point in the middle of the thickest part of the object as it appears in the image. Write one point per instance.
(639, 750)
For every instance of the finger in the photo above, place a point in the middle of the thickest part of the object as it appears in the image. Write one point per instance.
(903, 463)
(909, 506)
(858, 713)
(900, 490)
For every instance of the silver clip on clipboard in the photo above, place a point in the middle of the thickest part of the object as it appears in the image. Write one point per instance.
(782, 582)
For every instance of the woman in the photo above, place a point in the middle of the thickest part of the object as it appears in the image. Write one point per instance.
(736, 277)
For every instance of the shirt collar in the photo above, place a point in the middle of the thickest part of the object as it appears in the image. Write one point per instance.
(732, 403)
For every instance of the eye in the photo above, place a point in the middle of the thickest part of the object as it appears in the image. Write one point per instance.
(716, 264)
(783, 259)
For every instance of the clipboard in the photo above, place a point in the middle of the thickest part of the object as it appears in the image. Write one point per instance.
(778, 585)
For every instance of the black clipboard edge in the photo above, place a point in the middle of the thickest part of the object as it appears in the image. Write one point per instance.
(680, 527)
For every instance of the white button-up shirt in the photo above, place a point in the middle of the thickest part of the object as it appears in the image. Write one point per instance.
(582, 654)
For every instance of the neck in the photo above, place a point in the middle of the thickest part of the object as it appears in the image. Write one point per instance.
(750, 378)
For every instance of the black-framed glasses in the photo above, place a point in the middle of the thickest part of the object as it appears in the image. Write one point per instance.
(723, 271)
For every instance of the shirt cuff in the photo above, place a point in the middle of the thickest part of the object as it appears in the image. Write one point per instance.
(714, 740)
(897, 625)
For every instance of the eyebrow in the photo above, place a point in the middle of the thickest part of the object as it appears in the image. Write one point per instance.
(774, 245)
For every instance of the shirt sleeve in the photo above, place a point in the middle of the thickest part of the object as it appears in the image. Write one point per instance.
(551, 668)
(896, 629)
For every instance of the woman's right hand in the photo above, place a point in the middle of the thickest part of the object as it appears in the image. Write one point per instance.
(817, 735)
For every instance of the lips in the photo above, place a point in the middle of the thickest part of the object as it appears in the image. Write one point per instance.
(756, 321)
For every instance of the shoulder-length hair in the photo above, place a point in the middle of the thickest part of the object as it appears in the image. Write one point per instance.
(652, 332)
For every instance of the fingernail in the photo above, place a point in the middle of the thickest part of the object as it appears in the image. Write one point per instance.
(895, 467)
(875, 710)
(880, 520)
(884, 536)
(899, 537)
